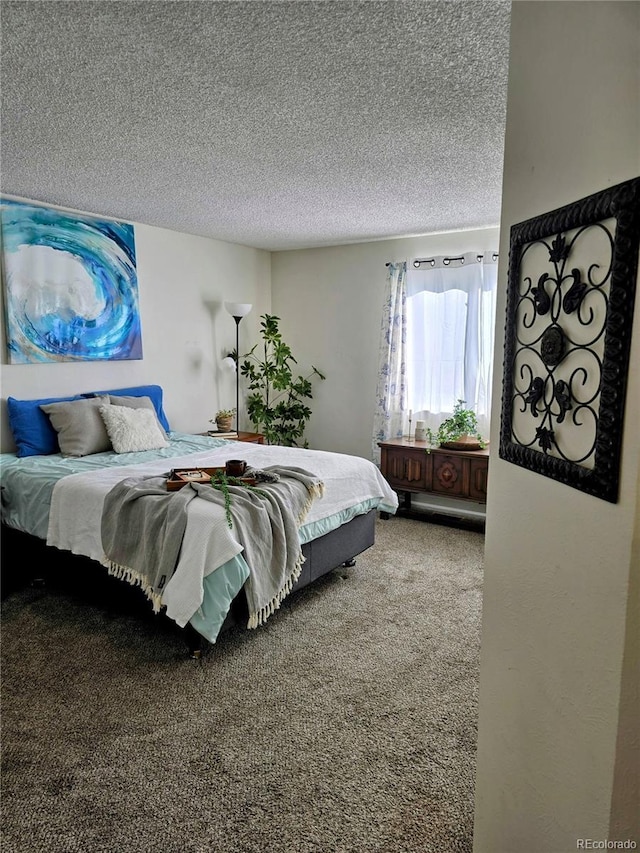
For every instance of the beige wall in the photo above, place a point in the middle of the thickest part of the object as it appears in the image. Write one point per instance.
(183, 281)
(554, 735)
(330, 301)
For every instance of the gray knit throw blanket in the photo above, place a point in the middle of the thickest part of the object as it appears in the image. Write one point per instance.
(143, 526)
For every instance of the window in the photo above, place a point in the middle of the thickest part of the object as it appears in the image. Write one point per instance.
(436, 344)
(450, 329)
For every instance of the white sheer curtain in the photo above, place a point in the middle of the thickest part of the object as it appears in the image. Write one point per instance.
(450, 328)
(391, 391)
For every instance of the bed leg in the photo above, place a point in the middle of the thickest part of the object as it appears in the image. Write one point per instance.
(349, 564)
(194, 641)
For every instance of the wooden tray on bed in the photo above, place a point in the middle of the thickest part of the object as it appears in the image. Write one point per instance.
(179, 477)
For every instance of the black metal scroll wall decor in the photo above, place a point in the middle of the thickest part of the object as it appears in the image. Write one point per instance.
(571, 289)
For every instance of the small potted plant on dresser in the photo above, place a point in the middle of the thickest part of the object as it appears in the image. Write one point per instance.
(459, 432)
(223, 419)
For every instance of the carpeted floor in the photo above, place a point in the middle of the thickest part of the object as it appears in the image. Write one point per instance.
(347, 724)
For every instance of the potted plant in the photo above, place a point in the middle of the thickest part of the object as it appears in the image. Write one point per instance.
(223, 419)
(276, 403)
(459, 432)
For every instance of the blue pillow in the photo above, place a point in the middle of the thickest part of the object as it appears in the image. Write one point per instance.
(154, 392)
(31, 427)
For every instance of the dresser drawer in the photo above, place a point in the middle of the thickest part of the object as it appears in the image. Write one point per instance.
(450, 475)
(406, 468)
(478, 475)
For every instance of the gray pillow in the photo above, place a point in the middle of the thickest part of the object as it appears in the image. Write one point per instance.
(137, 403)
(79, 426)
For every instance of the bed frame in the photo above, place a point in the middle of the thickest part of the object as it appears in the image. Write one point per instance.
(29, 560)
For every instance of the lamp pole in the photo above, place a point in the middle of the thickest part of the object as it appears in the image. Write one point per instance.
(237, 319)
(238, 310)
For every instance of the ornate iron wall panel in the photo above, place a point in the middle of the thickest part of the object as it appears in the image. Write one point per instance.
(571, 290)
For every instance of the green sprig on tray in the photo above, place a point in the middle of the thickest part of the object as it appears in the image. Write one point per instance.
(222, 481)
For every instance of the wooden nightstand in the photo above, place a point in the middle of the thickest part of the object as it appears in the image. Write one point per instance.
(249, 437)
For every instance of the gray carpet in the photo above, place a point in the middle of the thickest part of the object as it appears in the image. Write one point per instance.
(347, 723)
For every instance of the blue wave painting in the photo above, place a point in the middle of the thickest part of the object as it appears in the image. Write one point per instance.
(71, 287)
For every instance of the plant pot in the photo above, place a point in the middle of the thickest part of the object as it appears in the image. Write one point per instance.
(465, 442)
(224, 424)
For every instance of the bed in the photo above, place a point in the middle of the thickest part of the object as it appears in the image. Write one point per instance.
(73, 454)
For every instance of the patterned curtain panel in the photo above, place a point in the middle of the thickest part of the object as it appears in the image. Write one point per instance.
(391, 391)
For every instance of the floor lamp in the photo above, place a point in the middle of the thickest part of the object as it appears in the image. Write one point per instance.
(238, 310)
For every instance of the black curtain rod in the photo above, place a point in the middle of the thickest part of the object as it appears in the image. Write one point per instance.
(447, 260)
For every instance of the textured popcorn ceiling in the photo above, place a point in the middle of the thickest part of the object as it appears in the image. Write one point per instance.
(274, 124)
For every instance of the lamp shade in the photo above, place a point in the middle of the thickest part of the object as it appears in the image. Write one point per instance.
(229, 362)
(237, 309)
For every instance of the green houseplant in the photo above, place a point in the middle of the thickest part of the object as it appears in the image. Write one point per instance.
(460, 429)
(276, 403)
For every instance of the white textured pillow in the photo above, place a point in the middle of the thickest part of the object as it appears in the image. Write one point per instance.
(137, 403)
(132, 429)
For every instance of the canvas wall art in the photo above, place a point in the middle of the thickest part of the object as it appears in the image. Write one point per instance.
(70, 286)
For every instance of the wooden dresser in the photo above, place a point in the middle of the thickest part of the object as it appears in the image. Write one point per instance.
(409, 469)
